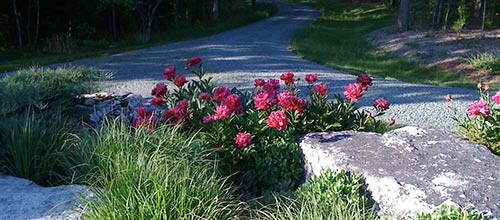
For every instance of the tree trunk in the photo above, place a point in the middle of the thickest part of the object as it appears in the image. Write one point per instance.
(18, 26)
(177, 13)
(37, 28)
(28, 24)
(439, 15)
(394, 3)
(148, 14)
(477, 5)
(484, 16)
(113, 22)
(436, 14)
(403, 15)
(215, 10)
(445, 26)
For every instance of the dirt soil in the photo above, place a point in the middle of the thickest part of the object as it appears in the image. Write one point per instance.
(443, 49)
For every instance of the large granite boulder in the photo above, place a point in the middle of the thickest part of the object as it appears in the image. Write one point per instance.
(410, 169)
(23, 199)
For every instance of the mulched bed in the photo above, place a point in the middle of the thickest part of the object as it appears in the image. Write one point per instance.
(443, 49)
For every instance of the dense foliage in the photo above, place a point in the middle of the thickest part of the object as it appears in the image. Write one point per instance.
(66, 27)
(456, 15)
(255, 132)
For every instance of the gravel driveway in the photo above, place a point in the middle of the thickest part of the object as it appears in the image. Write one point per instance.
(261, 49)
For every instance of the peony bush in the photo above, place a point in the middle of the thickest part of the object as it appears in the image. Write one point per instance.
(481, 124)
(255, 132)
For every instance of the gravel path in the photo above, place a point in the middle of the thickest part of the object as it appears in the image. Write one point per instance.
(238, 56)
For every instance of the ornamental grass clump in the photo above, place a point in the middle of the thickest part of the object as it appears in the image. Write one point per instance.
(46, 89)
(255, 132)
(331, 195)
(481, 124)
(450, 212)
(35, 120)
(32, 146)
(162, 173)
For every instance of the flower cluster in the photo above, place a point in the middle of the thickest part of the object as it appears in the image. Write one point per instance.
(248, 127)
(277, 106)
(484, 104)
(482, 122)
(176, 114)
(227, 103)
(354, 91)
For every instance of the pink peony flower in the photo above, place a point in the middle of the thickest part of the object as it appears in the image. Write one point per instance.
(353, 91)
(321, 89)
(234, 103)
(157, 100)
(259, 82)
(278, 120)
(364, 80)
(180, 80)
(448, 97)
(496, 98)
(290, 102)
(220, 93)
(192, 61)
(478, 107)
(311, 78)
(479, 85)
(242, 139)
(204, 96)
(261, 100)
(222, 111)
(287, 78)
(144, 119)
(159, 90)
(176, 114)
(486, 87)
(169, 73)
(381, 104)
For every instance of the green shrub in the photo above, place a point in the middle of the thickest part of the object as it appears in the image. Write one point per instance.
(448, 212)
(332, 195)
(32, 147)
(157, 174)
(272, 162)
(255, 132)
(48, 89)
(485, 61)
